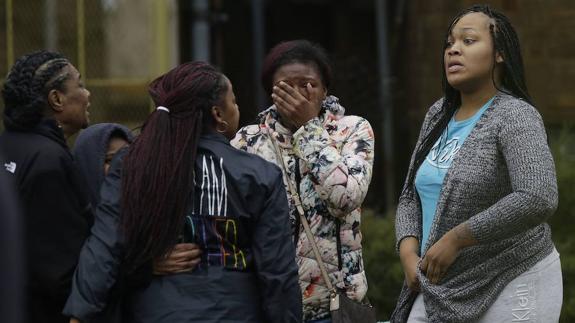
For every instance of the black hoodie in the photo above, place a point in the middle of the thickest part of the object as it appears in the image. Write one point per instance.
(57, 214)
(90, 153)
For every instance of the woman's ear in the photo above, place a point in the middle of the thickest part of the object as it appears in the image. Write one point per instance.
(217, 113)
(55, 100)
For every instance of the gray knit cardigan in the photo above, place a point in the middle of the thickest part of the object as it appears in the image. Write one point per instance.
(503, 184)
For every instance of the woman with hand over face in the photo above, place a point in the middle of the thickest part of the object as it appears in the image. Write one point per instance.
(329, 159)
(182, 181)
(471, 221)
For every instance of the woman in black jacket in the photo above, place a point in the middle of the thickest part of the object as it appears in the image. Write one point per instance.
(182, 181)
(11, 253)
(45, 103)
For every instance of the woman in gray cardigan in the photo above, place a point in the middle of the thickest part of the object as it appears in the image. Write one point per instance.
(470, 223)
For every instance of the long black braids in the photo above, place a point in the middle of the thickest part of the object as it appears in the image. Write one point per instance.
(506, 43)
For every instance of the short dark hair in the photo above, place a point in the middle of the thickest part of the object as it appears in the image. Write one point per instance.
(296, 51)
(25, 92)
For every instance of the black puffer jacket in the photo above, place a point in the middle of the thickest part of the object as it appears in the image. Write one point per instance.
(11, 252)
(57, 214)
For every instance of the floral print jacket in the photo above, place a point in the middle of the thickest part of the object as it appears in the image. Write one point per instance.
(330, 161)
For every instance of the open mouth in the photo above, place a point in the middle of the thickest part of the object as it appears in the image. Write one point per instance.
(454, 66)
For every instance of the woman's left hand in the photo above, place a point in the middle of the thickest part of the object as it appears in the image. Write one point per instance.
(443, 253)
(295, 107)
(439, 258)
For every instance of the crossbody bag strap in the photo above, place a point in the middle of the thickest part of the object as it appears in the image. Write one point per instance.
(303, 220)
(338, 243)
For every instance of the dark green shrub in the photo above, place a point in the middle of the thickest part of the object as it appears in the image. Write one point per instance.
(384, 272)
(563, 221)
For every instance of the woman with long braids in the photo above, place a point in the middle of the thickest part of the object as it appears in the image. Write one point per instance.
(45, 102)
(94, 149)
(470, 223)
(182, 181)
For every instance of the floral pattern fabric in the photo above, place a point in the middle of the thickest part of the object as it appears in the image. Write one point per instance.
(332, 158)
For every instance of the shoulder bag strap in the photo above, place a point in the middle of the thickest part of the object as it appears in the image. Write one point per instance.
(303, 220)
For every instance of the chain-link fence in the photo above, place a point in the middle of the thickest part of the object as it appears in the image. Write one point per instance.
(117, 45)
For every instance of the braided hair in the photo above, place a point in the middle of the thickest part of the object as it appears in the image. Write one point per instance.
(506, 43)
(25, 92)
(157, 179)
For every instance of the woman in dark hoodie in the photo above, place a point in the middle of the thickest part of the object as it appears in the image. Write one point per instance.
(93, 152)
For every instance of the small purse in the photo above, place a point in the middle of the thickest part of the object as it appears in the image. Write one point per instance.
(345, 310)
(342, 308)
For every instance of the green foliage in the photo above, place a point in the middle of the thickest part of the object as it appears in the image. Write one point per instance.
(384, 272)
(563, 221)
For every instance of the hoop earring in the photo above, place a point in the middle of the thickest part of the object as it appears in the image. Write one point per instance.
(225, 124)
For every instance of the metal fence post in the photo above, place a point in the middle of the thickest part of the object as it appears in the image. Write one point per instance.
(385, 102)
(161, 36)
(81, 34)
(50, 25)
(9, 35)
(201, 31)
(258, 31)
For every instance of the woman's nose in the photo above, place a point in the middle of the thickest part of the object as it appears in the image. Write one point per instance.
(453, 50)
